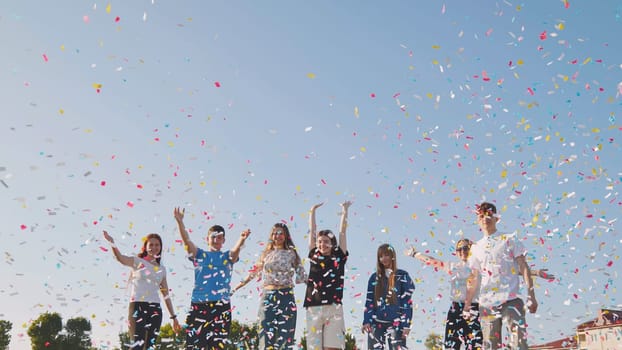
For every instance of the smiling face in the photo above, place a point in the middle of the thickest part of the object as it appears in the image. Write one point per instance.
(463, 247)
(279, 237)
(153, 247)
(324, 245)
(215, 240)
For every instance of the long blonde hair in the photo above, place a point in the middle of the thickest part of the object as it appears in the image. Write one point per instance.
(381, 277)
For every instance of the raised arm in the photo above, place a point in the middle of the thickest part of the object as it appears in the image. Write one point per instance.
(255, 272)
(123, 259)
(234, 254)
(343, 242)
(179, 217)
(532, 303)
(312, 226)
(169, 304)
(542, 273)
(428, 260)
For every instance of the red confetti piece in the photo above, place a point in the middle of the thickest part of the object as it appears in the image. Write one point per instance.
(117, 19)
(23, 227)
(610, 263)
(139, 186)
(323, 182)
(372, 95)
(103, 183)
(543, 35)
(217, 84)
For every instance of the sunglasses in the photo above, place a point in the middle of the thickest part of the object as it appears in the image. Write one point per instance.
(462, 249)
(278, 232)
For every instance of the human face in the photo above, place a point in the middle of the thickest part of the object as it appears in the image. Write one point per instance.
(278, 237)
(215, 241)
(153, 247)
(324, 245)
(463, 252)
(386, 260)
(487, 221)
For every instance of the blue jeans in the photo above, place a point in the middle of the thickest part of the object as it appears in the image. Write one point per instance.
(277, 317)
(383, 333)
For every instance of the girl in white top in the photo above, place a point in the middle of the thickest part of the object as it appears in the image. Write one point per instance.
(278, 264)
(147, 278)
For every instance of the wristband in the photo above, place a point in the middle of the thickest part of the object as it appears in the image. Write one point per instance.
(173, 317)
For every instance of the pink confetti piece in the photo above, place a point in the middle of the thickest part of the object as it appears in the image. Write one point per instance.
(323, 182)
(543, 35)
(85, 18)
(117, 19)
(217, 84)
(23, 227)
(372, 95)
(530, 91)
(103, 249)
(139, 186)
(102, 183)
(45, 57)
(130, 204)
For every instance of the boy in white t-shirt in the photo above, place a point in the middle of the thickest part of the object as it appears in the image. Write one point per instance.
(496, 262)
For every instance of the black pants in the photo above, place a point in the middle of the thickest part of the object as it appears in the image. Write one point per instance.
(459, 331)
(145, 320)
(209, 324)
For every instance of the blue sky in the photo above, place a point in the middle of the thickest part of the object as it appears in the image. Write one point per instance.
(247, 113)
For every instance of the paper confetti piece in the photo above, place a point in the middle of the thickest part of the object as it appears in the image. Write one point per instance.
(310, 75)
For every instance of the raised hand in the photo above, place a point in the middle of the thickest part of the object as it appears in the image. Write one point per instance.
(108, 237)
(179, 214)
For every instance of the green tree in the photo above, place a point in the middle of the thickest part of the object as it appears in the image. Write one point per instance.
(350, 342)
(243, 336)
(5, 334)
(124, 340)
(169, 340)
(44, 332)
(433, 342)
(77, 335)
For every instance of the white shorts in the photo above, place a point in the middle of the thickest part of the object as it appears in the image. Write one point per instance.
(325, 327)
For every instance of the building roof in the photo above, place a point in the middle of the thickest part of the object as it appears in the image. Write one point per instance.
(568, 343)
(606, 317)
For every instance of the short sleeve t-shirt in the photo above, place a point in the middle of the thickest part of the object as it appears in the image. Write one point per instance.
(459, 274)
(494, 257)
(145, 281)
(326, 278)
(212, 276)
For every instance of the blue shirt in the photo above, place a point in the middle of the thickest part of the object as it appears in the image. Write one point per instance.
(212, 276)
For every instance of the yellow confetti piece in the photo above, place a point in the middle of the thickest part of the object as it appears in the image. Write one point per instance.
(504, 173)
(61, 111)
(595, 201)
(356, 112)
(363, 149)
(520, 62)
(560, 26)
(436, 47)
(108, 7)
(587, 60)
(310, 75)
(595, 130)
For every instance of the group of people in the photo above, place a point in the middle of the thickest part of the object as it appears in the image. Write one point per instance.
(487, 272)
